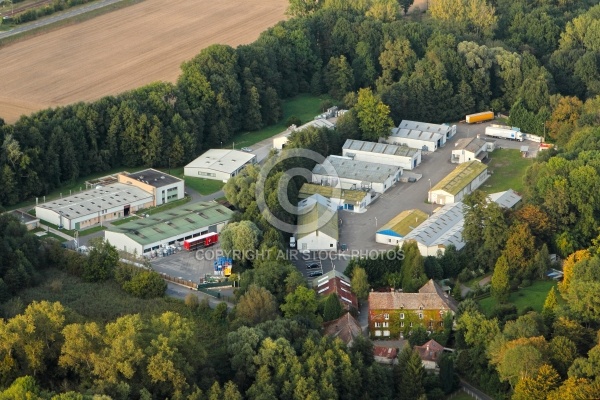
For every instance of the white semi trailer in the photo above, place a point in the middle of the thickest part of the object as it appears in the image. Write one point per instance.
(504, 132)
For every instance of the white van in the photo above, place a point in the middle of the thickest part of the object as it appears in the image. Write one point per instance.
(292, 242)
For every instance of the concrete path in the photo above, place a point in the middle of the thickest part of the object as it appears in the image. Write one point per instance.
(58, 17)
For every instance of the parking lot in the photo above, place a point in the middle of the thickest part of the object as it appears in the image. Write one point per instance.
(357, 231)
(189, 265)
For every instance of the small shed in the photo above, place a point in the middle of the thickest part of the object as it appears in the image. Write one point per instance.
(525, 151)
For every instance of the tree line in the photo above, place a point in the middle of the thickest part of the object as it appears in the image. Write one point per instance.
(437, 69)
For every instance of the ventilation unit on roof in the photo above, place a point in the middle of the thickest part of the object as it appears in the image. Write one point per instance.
(162, 177)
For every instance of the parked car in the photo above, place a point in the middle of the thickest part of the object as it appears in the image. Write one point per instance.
(313, 266)
(315, 273)
(247, 149)
(412, 179)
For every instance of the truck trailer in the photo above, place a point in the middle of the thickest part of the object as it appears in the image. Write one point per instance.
(504, 132)
(201, 241)
(480, 117)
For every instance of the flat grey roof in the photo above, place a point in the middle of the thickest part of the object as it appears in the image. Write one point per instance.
(506, 199)
(92, 201)
(24, 217)
(222, 160)
(153, 177)
(424, 126)
(442, 228)
(380, 148)
(348, 168)
(470, 144)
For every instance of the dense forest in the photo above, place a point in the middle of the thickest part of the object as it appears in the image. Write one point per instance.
(536, 60)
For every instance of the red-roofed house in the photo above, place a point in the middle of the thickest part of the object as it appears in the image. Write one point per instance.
(338, 283)
(430, 353)
(394, 314)
(346, 328)
(385, 355)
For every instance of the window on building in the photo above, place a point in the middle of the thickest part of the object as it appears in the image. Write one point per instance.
(386, 333)
(386, 324)
(402, 324)
(420, 307)
(401, 315)
(386, 316)
(330, 244)
(377, 333)
(377, 324)
(442, 323)
(420, 315)
(411, 324)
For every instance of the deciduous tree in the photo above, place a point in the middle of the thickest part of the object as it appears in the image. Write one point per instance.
(373, 115)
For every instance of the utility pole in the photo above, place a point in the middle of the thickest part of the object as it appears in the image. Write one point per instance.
(430, 198)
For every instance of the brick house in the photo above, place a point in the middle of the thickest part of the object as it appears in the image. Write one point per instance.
(394, 314)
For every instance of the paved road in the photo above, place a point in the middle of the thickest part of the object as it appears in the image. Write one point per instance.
(179, 292)
(58, 17)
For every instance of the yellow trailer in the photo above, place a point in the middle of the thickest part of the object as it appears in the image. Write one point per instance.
(480, 117)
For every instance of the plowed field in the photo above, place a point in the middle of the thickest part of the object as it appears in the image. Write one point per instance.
(123, 50)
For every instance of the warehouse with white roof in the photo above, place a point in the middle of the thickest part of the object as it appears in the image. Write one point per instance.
(346, 173)
(421, 135)
(219, 164)
(86, 209)
(391, 154)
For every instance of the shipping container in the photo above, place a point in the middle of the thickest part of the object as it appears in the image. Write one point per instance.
(480, 117)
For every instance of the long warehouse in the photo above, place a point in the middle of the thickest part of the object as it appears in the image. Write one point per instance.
(171, 227)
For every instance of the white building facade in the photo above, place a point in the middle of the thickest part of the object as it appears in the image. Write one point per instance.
(164, 187)
(317, 224)
(219, 164)
(389, 154)
(465, 179)
(471, 149)
(346, 173)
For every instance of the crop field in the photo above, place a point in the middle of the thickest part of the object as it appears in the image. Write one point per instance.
(123, 50)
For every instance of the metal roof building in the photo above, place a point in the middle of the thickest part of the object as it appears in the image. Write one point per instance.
(352, 200)
(91, 207)
(219, 164)
(391, 154)
(397, 228)
(317, 224)
(465, 178)
(346, 173)
(421, 135)
(445, 226)
(169, 227)
(164, 187)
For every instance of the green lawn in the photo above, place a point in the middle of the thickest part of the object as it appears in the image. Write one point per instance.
(303, 106)
(54, 236)
(92, 230)
(204, 186)
(508, 168)
(533, 296)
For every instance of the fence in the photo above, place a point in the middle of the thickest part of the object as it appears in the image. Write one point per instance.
(534, 138)
(179, 281)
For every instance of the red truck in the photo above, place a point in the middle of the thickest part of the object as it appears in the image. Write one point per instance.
(200, 242)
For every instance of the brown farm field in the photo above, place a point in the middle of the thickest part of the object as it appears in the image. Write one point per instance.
(123, 49)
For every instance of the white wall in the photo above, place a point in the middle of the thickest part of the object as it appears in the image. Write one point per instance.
(195, 172)
(317, 241)
(123, 242)
(389, 240)
(179, 186)
(279, 142)
(387, 159)
(413, 143)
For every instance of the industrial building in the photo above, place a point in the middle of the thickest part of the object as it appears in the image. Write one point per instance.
(421, 135)
(346, 173)
(172, 227)
(390, 154)
(281, 140)
(394, 232)
(317, 224)
(445, 226)
(219, 164)
(91, 207)
(466, 178)
(350, 200)
(28, 220)
(471, 149)
(164, 187)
